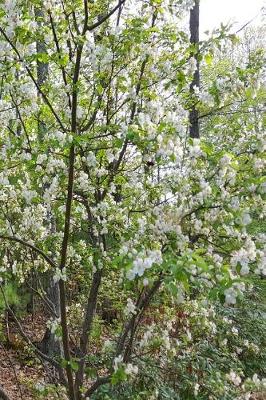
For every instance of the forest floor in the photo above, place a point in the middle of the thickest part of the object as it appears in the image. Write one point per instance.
(20, 370)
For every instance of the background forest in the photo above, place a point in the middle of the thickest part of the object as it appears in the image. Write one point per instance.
(132, 198)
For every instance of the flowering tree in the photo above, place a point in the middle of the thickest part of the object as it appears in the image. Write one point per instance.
(100, 183)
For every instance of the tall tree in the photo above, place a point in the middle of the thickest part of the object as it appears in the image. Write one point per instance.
(109, 110)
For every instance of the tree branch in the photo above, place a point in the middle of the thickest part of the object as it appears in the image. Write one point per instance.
(105, 17)
(141, 304)
(100, 381)
(30, 246)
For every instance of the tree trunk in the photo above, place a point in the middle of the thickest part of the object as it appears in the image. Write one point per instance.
(194, 40)
(49, 345)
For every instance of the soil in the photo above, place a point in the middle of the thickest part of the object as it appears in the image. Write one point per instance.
(19, 369)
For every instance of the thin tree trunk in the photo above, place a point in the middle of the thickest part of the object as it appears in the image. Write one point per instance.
(194, 129)
(50, 345)
(87, 324)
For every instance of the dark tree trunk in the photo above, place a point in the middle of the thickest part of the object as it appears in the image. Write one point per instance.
(194, 40)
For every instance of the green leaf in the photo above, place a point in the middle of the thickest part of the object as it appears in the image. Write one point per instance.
(118, 376)
(208, 58)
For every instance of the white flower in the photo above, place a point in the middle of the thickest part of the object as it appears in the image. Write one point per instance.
(246, 219)
(40, 386)
(196, 389)
(29, 195)
(235, 203)
(233, 377)
(230, 296)
(196, 89)
(130, 307)
(58, 135)
(225, 160)
(195, 150)
(145, 282)
(41, 158)
(131, 369)
(147, 336)
(143, 261)
(91, 159)
(110, 156)
(261, 266)
(117, 362)
(255, 379)
(235, 331)
(101, 172)
(60, 275)
(189, 336)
